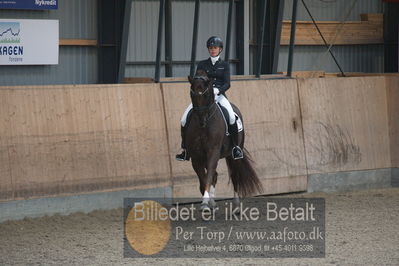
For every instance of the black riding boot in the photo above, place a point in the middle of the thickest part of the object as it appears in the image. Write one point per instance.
(236, 152)
(183, 155)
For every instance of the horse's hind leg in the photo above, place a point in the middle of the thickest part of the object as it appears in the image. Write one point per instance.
(236, 198)
(236, 203)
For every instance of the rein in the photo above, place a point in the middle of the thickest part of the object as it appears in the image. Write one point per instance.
(207, 107)
(200, 93)
(203, 108)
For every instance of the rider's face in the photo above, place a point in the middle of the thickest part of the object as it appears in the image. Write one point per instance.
(214, 51)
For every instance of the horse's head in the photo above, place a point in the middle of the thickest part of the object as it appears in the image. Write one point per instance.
(202, 97)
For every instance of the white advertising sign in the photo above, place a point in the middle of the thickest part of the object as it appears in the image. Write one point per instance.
(28, 42)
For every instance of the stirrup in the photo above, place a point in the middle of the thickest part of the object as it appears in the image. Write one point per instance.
(237, 153)
(182, 156)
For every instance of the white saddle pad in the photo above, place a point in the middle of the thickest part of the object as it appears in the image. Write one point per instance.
(239, 123)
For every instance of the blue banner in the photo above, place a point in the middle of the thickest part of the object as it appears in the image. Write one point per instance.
(29, 4)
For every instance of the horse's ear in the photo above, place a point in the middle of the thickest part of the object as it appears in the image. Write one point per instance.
(190, 79)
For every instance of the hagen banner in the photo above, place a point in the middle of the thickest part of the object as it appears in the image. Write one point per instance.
(29, 4)
(28, 42)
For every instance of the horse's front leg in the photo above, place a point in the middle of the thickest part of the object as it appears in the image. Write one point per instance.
(213, 186)
(199, 168)
(211, 177)
(212, 191)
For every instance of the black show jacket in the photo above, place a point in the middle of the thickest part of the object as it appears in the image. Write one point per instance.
(220, 72)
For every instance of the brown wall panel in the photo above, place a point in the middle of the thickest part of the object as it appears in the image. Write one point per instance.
(6, 186)
(71, 139)
(392, 84)
(77, 139)
(368, 31)
(272, 119)
(345, 124)
(269, 109)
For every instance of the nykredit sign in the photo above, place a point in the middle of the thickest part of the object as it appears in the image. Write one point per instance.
(29, 4)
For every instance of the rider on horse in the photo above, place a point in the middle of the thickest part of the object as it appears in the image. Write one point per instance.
(219, 70)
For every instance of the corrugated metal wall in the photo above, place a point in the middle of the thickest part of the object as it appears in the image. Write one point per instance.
(77, 20)
(362, 58)
(352, 58)
(142, 43)
(213, 21)
(333, 9)
(143, 34)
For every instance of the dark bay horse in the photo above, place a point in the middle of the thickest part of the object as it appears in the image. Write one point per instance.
(206, 143)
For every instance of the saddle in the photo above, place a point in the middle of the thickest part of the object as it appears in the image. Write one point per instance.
(226, 118)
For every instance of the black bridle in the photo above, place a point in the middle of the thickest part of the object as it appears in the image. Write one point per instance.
(204, 108)
(201, 94)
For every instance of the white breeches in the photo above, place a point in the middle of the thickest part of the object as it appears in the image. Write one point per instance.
(226, 104)
(219, 99)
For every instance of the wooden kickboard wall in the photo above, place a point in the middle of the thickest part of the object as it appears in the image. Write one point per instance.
(73, 139)
(77, 139)
(392, 85)
(345, 124)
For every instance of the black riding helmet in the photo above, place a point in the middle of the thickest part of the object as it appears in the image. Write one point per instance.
(214, 41)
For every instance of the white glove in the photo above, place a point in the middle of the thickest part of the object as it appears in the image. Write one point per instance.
(216, 91)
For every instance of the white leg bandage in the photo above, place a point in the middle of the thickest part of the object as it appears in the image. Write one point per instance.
(212, 191)
(206, 197)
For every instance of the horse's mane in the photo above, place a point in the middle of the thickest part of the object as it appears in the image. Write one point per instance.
(201, 73)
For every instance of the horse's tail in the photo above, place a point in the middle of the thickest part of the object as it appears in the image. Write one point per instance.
(243, 175)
